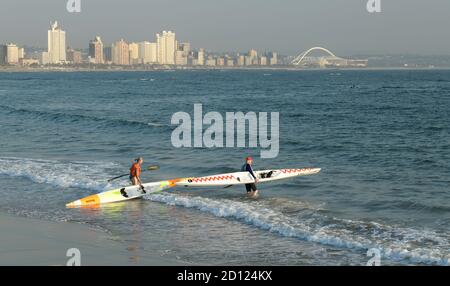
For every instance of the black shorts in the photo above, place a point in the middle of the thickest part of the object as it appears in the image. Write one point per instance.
(250, 187)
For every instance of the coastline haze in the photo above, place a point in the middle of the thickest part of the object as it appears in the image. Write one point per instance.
(345, 27)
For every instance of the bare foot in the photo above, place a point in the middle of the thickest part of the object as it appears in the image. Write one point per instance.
(253, 195)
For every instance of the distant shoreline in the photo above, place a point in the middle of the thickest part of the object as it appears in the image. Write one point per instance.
(143, 69)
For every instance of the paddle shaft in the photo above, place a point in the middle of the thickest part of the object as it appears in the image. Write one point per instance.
(150, 168)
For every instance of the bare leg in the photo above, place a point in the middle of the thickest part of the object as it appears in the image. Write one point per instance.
(134, 181)
(254, 194)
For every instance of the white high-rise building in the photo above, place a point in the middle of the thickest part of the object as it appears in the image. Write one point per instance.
(134, 53)
(200, 57)
(166, 47)
(120, 53)
(21, 53)
(56, 44)
(12, 54)
(148, 53)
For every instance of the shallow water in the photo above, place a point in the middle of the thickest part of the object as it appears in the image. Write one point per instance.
(381, 138)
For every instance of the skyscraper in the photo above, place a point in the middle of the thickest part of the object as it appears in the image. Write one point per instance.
(240, 60)
(166, 47)
(21, 53)
(96, 50)
(251, 58)
(107, 54)
(182, 54)
(12, 54)
(185, 47)
(273, 58)
(200, 58)
(263, 61)
(56, 44)
(121, 53)
(134, 53)
(147, 53)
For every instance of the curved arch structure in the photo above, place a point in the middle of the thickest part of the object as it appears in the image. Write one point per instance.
(297, 61)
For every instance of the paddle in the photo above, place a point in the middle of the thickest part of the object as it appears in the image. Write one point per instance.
(149, 168)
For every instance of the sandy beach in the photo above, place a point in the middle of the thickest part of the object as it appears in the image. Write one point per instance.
(31, 242)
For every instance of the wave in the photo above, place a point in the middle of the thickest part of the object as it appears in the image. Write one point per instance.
(58, 116)
(288, 218)
(84, 175)
(398, 244)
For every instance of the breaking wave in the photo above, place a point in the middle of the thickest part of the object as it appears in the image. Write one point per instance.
(398, 244)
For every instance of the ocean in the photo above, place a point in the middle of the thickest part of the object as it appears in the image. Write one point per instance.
(381, 137)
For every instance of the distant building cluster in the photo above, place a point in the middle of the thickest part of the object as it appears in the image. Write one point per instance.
(165, 50)
(11, 54)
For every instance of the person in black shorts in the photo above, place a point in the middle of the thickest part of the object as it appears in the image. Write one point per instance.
(252, 191)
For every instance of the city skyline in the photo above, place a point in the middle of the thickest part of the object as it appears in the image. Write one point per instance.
(344, 27)
(164, 51)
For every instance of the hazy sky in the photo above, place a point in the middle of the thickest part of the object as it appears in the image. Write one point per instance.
(287, 26)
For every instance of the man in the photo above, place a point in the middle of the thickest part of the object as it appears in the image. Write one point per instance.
(135, 172)
(252, 192)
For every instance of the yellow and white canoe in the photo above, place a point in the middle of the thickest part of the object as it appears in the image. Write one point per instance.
(123, 194)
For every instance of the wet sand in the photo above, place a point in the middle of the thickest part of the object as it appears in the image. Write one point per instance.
(31, 242)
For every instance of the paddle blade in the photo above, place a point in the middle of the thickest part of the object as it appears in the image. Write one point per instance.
(153, 168)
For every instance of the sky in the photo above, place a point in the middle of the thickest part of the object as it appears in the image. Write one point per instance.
(287, 26)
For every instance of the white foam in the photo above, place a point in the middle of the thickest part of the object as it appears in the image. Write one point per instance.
(85, 175)
(393, 243)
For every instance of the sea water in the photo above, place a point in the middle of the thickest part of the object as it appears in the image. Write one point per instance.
(381, 138)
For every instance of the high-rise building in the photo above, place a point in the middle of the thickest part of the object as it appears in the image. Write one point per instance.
(182, 54)
(147, 53)
(21, 53)
(200, 57)
(181, 59)
(273, 59)
(12, 54)
(240, 60)
(44, 58)
(220, 62)
(253, 53)
(248, 60)
(251, 58)
(229, 61)
(263, 61)
(134, 53)
(211, 61)
(166, 47)
(121, 53)
(2, 54)
(107, 55)
(56, 44)
(186, 48)
(96, 51)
